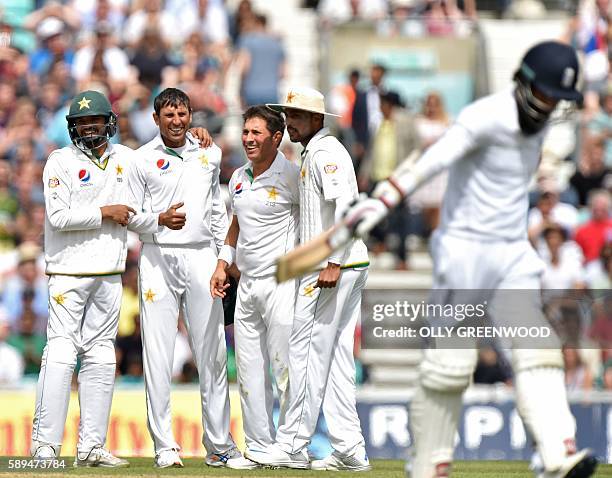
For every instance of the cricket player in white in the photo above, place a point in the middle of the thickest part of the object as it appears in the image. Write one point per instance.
(265, 202)
(492, 151)
(175, 183)
(321, 363)
(85, 250)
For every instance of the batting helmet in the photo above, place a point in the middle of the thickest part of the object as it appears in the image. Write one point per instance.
(548, 69)
(91, 103)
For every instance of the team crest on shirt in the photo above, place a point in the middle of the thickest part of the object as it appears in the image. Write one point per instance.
(238, 189)
(272, 196)
(203, 160)
(119, 170)
(54, 182)
(84, 178)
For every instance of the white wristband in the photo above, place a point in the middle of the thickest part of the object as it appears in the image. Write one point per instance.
(227, 254)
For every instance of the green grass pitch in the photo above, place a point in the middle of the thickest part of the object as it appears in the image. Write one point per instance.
(143, 467)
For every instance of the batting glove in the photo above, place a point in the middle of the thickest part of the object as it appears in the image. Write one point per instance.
(364, 214)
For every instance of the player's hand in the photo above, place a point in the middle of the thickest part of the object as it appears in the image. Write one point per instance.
(202, 135)
(120, 213)
(172, 219)
(219, 281)
(328, 277)
(364, 214)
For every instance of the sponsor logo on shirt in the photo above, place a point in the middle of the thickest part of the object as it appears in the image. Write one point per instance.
(53, 182)
(84, 177)
(163, 164)
(238, 189)
(330, 168)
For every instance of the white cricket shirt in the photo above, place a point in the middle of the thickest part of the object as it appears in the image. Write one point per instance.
(267, 209)
(491, 163)
(77, 241)
(160, 177)
(327, 186)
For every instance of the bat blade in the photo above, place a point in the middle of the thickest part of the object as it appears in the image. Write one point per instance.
(308, 256)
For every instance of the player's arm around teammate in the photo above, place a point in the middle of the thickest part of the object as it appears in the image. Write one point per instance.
(174, 186)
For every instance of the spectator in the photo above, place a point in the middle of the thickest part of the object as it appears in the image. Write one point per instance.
(563, 261)
(605, 381)
(53, 47)
(242, 20)
(393, 142)
(28, 277)
(340, 11)
(597, 232)
(589, 32)
(100, 61)
(8, 206)
(261, 57)
(349, 102)
(549, 210)
(206, 18)
(601, 125)
(11, 362)
(129, 347)
(93, 12)
(377, 75)
(209, 107)
(592, 170)
(49, 101)
(431, 123)
(130, 308)
(577, 374)
(151, 15)
(150, 58)
(599, 272)
(601, 328)
(491, 368)
(27, 340)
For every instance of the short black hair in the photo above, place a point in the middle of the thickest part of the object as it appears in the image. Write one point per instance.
(171, 97)
(274, 119)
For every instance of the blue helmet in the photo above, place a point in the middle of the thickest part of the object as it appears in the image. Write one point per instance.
(550, 69)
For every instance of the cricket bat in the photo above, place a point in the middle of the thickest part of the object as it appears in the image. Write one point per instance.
(308, 256)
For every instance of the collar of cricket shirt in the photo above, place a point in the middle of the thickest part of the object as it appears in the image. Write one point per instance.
(102, 161)
(322, 133)
(275, 168)
(191, 144)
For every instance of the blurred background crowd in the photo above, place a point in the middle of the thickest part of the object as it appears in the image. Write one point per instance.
(227, 55)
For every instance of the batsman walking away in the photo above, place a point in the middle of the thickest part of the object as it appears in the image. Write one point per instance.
(491, 151)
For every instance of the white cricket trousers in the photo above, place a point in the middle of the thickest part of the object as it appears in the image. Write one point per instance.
(83, 321)
(322, 365)
(262, 327)
(173, 279)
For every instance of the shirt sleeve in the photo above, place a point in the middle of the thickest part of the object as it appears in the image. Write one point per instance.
(219, 224)
(331, 176)
(143, 222)
(62, 214)
(293, 182)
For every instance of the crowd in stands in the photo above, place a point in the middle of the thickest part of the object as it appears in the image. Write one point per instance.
(131, 49)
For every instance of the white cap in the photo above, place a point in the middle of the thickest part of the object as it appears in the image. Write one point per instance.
(49, 27)
(303, 98)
